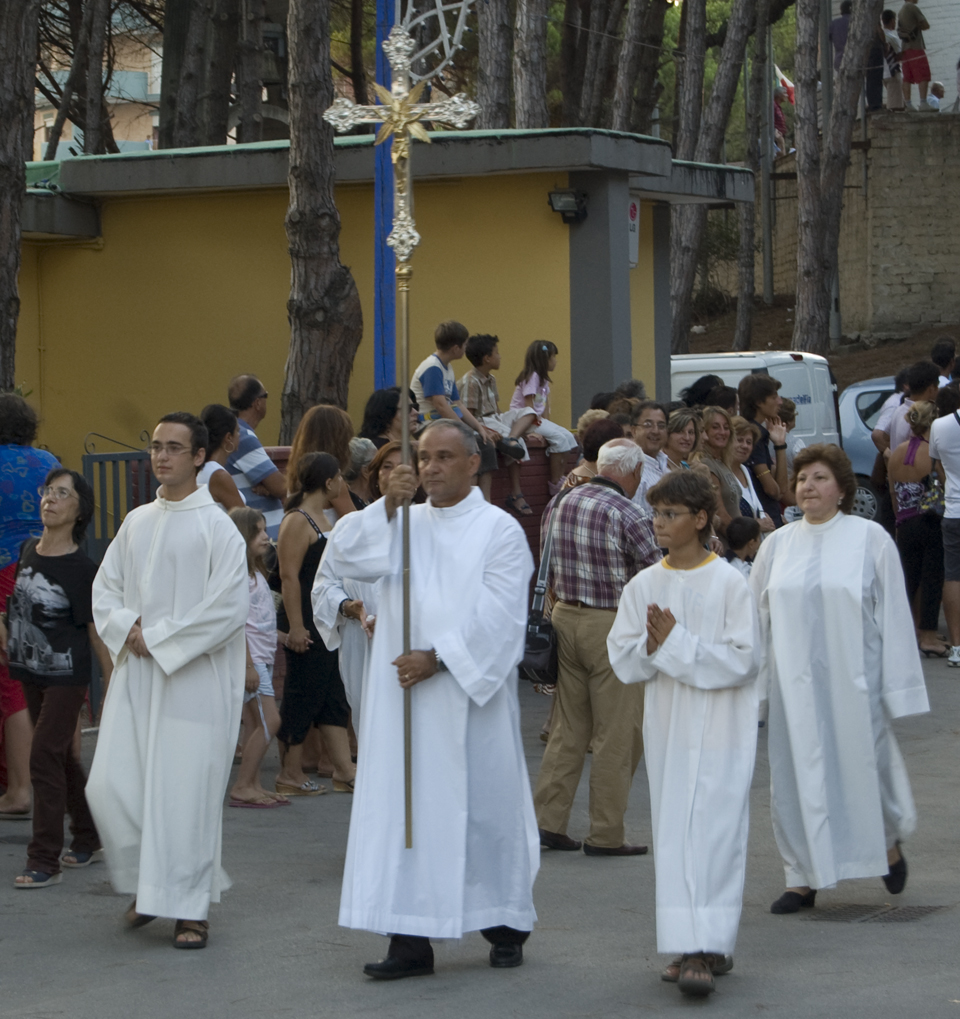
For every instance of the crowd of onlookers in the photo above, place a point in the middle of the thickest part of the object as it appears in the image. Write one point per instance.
(738, 441)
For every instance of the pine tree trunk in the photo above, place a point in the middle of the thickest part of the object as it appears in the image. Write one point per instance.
(811, 323)
(690, 87)
(326, 323)
(530, 64)
(75, 79)
(187, 128)
(628, 65)
(747, 211)
(689, 221)
(176, 24)
(493, 70)
(249, 69)
(219, 57)
(648, 88)
(96, 114)
(572, 50)
(358, 73)
(18, 59)
(595, 81)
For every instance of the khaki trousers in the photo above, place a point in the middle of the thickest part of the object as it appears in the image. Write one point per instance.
(591, 704)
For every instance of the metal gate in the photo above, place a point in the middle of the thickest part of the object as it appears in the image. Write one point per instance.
(120, 482)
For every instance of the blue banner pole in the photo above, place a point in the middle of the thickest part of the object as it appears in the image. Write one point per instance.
(384, 260)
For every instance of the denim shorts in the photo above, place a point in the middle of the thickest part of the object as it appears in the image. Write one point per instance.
(265, 689)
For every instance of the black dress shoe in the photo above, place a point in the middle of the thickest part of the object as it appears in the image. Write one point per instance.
(792, 902)
(623, 850)
(393, 968)
(554, 840)
(506, 956)
(896, 877)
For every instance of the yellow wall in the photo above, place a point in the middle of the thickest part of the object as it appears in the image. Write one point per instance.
(184, 291)
(641, 303)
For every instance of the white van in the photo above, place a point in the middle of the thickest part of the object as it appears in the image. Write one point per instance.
(806, 379)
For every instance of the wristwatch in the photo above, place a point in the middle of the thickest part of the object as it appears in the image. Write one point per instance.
(778, 448)
(346, 601)
(440, 666)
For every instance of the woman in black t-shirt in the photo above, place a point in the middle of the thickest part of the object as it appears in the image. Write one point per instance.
(48, 635)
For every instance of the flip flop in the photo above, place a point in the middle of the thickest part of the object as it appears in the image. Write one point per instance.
(307, 789)
(132, 919)
(269, 805)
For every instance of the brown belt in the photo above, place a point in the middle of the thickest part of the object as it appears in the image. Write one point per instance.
(582, 605)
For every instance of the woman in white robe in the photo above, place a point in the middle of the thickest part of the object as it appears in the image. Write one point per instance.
(839, 660)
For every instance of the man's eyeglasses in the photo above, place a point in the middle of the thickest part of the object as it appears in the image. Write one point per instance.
(55, 494)
(170, 448)
(670, 515)
(653, 426)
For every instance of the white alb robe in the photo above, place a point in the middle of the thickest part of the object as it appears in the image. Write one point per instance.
(700, 741)
(476, 850)
(336, 631)
(839, 659)
(170, 721)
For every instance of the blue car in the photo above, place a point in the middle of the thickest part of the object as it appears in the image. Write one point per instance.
(860, 406)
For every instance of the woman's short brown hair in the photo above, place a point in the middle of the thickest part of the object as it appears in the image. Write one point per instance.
(377, 462)
(837, 462)
(682, 417)
(739, 426)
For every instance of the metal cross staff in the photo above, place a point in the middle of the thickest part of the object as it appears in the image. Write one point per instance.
(400, 116)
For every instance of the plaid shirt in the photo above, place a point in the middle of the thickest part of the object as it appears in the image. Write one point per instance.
(601, 542)
(478, 393)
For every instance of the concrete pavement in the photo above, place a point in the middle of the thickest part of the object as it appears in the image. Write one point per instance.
(276, 950)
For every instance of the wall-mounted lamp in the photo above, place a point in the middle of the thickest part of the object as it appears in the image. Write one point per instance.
(572, 205)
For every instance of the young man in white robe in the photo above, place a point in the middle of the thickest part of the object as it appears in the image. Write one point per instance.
(170, 602)
(476, 849)
(687, 628)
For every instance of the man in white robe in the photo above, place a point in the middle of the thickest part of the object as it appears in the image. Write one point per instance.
(699, 727)
(839, 660)
(170, 602)
(475, 844)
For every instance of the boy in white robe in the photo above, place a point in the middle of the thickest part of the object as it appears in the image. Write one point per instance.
(687, 628)
(475, 849)
(170, 602)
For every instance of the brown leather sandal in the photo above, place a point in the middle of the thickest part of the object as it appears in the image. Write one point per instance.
(201, 927)
(693, 970)
(719, 965)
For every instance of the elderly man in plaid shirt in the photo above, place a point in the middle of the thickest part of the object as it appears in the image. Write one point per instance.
(601, 540)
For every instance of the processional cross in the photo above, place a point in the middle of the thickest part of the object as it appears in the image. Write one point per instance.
(400, 116)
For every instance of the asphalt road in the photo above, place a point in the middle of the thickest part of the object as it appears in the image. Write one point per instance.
(276, 950)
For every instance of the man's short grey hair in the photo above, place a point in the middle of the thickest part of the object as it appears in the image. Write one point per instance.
(362, 451)
(467, 435)
(619, 456)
